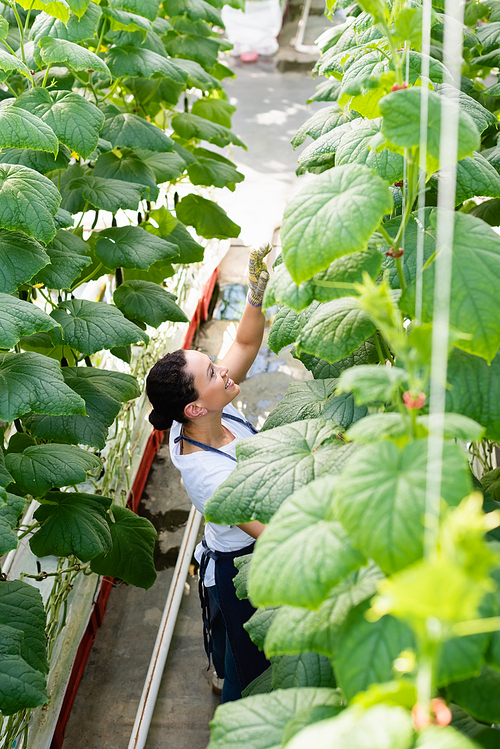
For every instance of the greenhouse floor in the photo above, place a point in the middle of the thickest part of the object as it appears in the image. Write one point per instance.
(105, 707)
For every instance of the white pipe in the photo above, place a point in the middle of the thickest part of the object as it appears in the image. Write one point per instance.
(164, 636)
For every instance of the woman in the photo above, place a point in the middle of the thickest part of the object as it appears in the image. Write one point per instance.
(193, 396)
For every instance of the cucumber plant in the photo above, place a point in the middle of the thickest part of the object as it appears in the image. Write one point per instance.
(376, 579)
(89, 191)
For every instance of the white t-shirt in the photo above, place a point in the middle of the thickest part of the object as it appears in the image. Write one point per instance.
(202, 472)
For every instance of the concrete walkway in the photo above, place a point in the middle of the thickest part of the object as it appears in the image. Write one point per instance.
(271, 107)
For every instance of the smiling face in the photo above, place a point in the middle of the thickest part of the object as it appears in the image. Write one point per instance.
(215, 388)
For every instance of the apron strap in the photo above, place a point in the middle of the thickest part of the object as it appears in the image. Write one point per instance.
(204, 599)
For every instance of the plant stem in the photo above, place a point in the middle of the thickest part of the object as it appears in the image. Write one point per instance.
(21, 29)
(87, 278)
(401, 276)
(387, 350)
(386, 235)
(29, 530)
(379, 348)
(47, 298)
(44, 83)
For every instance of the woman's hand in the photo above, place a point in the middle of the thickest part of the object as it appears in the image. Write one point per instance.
(258, 275)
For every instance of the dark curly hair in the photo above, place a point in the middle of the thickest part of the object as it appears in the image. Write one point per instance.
(170, 388)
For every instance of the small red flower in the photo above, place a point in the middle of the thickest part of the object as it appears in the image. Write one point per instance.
(395, 253)
(414, 402)
(399, 86)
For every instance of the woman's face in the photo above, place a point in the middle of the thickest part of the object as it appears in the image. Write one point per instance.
(215, 388)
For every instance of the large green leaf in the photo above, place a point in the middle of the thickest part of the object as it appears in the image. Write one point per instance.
(436, 737)
(475, 287)
(147, 302)
(102, 391)
(125, 21)
(73, 55)
(75, 30)
(74, 120)
(215, 110)
(68, 256)
(475, 390)
(212, 169)
(321, 369)
(488, 211)
(40, 467)
(336, 329)
(126, 130)
(367, 650)
(412, 231)
(372, 383)
(333, 215)
(480, 696)
(189, 126)
(209, 219)
(475, 176)
(383, 506)
(147, 8)
(89, 327)
(57, 8)
(40, 161)
(21, 607)
(25, 130)
(20, 258)
(197, 76)
(287, 325)
(401, 122)
(128, 167)
(167, 167)
(9, 62)
(257, 487)
(299, 541)
(481, 116)
(131, 555)
(72, 523)
(202, 50)
(298, 630)
(109, 194)
(259, 722)
(321, 122)
(304, 670)
(21, 686)
(18, 318)
(28, 202)
(196, 10)
(9, 516)
(33, 382)
(354, 148)
(132, 247)
(138, 61)
(461, 658)
(314, 399)
(319, 156)
(324, 286)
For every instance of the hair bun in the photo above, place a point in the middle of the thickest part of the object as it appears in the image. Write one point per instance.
(159, 421)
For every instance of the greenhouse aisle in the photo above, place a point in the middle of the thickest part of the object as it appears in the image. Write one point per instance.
(271, 107)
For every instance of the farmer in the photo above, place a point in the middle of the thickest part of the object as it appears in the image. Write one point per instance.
(192, 396)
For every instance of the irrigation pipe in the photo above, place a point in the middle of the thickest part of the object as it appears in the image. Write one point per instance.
(164, 636)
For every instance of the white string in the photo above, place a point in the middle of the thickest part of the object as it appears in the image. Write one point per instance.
(448, 149)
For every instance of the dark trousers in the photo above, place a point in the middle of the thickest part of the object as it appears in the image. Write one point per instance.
(236, 658)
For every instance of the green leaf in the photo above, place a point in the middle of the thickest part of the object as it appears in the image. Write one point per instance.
(328, 90)
(123, 20)
(336, 329)
(376, 427)
(74, 120)
(18, 318)
(475, 390)
(297, 630)
(196, 10)
(4, 28)
(317, 229)
(156, 274)
(260, 685)
(240, 581)
(475, 176)
(109, 194)
(320, 123)
(481, 116)
(79, 27)
(474, 307)
(215, 110)
(287, 325)
(412, 232)
(129, 168)
(167, 167)
(479, 695)
(259, 722)
(33, 382)
(209, 219)
(10, 62)
(144, 63)
(304, 670)
(28, 202)
(372, 383)
(189, 126)
(40, 467)
(197, 76)
(24, 130)
(202, 50)
(354, 149)
(73, 55)
(258, 626)
(147, 302)
(72, 523)
(132, 247)
(382, 507)
(9, 516)
(447, 738)
(256, 488)
(102, 391)
(456, 426)
(324, 286)
(147, 8)
(321, 369)
(79, 7)
(68, 256)
(131, 555)
(210, 170)
(378, 727)
(489, 211)
(21, 607)
(126, 130)
(40, 161)
(20, 259)
(171, 229)
(461, 658)
(299, 538)
(57, 8)
(367, 650)
(320, 155)
(490, 482)
(314, 399)
(401, 122)
(89, 327)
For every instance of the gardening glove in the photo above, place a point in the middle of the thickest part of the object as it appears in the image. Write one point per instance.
(258, 275)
